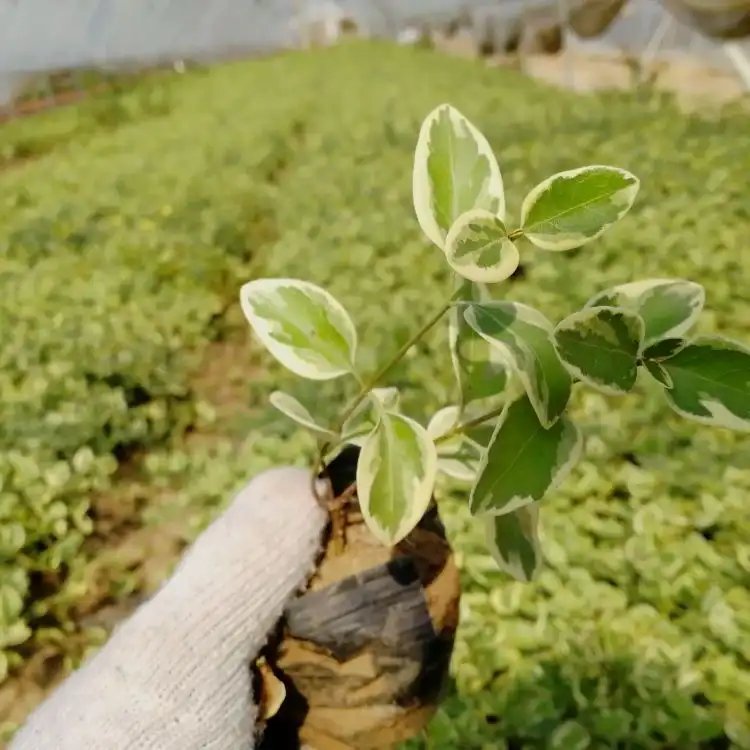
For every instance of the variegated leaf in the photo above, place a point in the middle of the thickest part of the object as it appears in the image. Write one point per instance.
(302, 325)
(573, 208)
(481, 434)
(478, 248)
(600, 346)
(385, 398)
(524, 460)
(443, 421)
(363, 419)
(459, 461)
(524, 337)
(480, 369)
(710, 382)
(655, 354)
(458, 457)
(664, 349)
(395, 477)
(514, 543)
(476, 439)
(668, 307)
(290, 407)
(454, 171)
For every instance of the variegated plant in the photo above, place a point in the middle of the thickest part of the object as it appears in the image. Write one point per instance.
(508, 434)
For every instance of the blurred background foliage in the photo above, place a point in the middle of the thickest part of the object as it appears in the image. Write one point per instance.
(134, 401)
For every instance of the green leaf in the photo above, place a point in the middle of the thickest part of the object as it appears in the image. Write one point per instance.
(524, 338)
(12, 539)
(479, 368)
(664, 349)
(290, 407)
(668, 307)
(11, 604)
(657, 353)
(570, 736)
(481, 435)
(710, 382)
(454, 171)
(573, 208)
(302, 325)
(478, 248)
(513, 541)
(395, 476)
(458, 457)
(657, 371)
(14, 635)
(363, 419)
(600, 346)
(523, 461)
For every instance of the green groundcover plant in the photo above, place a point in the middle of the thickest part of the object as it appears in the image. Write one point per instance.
(508, 434)
(636, 625)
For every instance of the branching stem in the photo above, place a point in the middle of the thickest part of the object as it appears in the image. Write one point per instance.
(373, 380)
(369, 383)
(464, 426)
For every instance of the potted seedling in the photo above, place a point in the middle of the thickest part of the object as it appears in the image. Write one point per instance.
(363, 651)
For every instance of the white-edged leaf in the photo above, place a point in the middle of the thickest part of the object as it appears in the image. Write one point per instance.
(710, 382)
(458, 457)
(524, 338)
(481, 372)
(600, 346)
(454, 171)
(363, 419)
(477, 247)
(513, 540)
(290, 407)
(461, 464)
(388, 398)
(668, 307)
(302, 326)
(443, 421)
(355, 438)
(395, 477)
(524, 460)
(574, 207)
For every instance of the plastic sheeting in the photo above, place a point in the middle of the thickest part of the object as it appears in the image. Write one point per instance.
(46, 35)
(589, 18)
(724, 19)
(41, 35)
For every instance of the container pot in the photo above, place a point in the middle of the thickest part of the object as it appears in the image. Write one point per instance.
(364, 651)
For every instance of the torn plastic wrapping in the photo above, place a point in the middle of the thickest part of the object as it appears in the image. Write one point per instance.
(364, 653)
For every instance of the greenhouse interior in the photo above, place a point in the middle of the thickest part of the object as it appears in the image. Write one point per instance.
(375, 374)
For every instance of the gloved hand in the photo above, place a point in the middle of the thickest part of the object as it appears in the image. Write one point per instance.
(176, 676)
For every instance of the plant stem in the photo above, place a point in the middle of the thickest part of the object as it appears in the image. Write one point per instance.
(373, 380)
(368, 384)
(481, 419)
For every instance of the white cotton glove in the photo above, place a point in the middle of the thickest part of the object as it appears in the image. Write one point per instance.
(176, 675)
